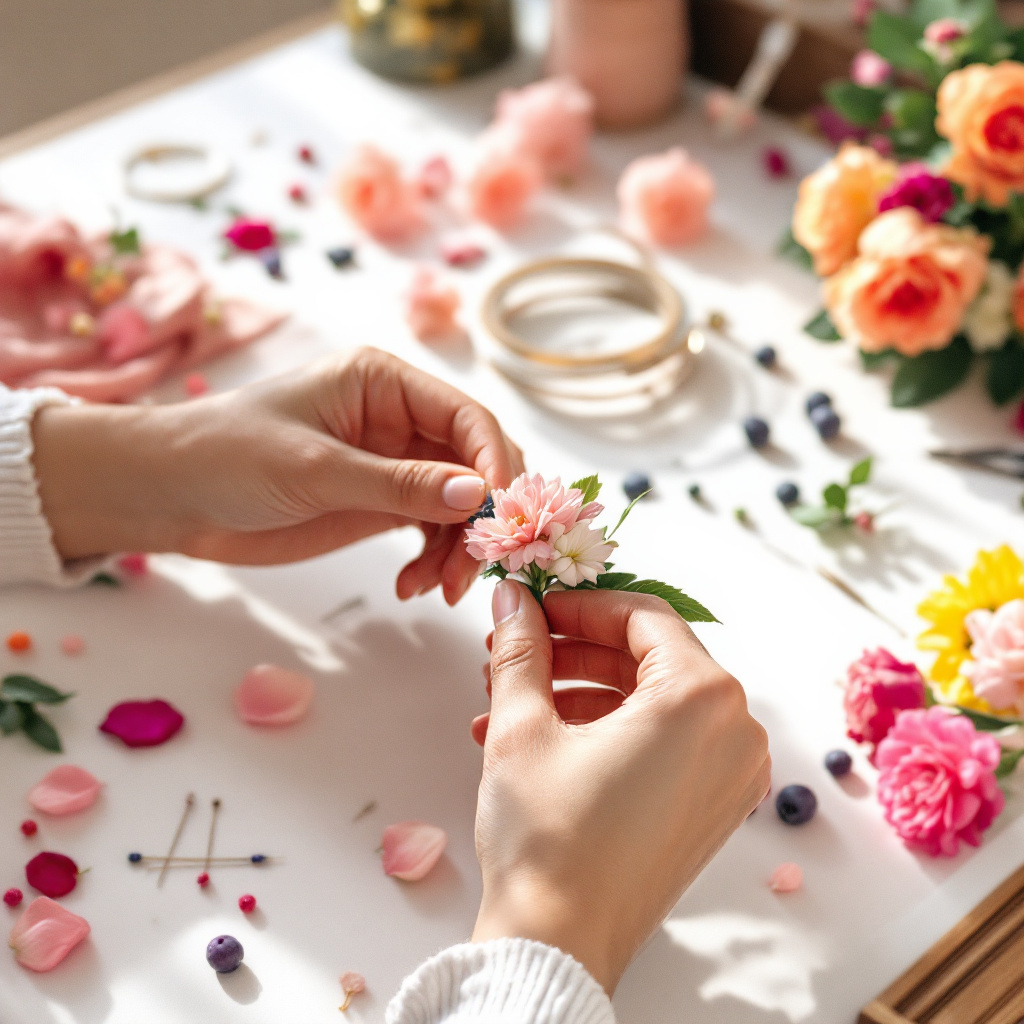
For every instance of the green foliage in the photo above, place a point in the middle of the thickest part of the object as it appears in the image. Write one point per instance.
(629, 508)
(861, 472)
(686, 607)
(859, 104)
(39, 729)
(789, 248)
(876, 360)
(104, 579)
(1005, 377)
(924, 378)
(835, 497)
(1008, 762)
(822, 328)
(913, 121)
(26, 688)
(590, 486)
(127, 242)
(18, 695)
(495, 570)
(987, 723)
(835, 501)
(896, 39)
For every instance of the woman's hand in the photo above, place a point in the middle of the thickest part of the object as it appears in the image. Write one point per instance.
(588, 834)
(279, 471)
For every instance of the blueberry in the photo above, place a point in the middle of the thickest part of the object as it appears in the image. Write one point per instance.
(766, 356)
(271, 260)
(757, 431)
(826, 422)
(819, 398)
(635, 485)
(342, 256)
(134, 858)
(788, 493)
(485, 511)
(695, 492)
(796, 805)
(838, 762)
(258, 858)
(224, 954)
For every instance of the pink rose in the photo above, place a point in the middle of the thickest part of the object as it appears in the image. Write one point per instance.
(375, 195)
(937, 780)
(945, 30)
(996, 668)
(431, 306)
(666, 197)
(553, 121)
(251, 235)
(503, 180)
(877, 686)
(870, 70)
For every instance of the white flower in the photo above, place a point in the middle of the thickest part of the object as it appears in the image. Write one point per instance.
(989, 320)
(580, 555)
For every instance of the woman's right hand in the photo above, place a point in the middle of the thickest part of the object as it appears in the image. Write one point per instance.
(588, 834)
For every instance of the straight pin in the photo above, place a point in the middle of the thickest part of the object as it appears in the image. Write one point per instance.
(189, 803)
(215, 810)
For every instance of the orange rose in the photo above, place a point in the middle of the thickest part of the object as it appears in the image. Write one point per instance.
(1018, 300)
(910, 286)
(981, 112)
(837, 202)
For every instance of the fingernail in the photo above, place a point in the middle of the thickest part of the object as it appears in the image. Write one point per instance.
(466, 493)
(505, 602)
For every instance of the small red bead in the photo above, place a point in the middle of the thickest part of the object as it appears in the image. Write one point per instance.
(203, 880)
(776, 162)
(29, 827)
(865, 521)
(306, 155)
(297, 194)
(1019, 419)
(247, 904)
(19, 642)
(195, 385)
(13, 897)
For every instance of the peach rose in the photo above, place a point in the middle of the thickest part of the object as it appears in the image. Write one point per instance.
(376, 196)
(837, 202)
(503, 180)
(431, 306)
(1018, 300)
(665, 197)
(910, 285)
(981, 112)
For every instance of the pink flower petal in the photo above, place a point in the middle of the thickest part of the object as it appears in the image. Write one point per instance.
(52, 874)
(352, 983)
(45, 933)
(787, 878)
(412, 848)
(271, 695)
(143, 723)
(65, 790)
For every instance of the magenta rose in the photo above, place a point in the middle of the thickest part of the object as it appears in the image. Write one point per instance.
(937, 780)
(929, 194)
(250, 235)
(877, 686)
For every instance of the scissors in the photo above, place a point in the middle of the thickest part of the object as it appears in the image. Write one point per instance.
(995, 460)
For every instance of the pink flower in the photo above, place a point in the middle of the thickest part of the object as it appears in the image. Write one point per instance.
(930, 194)
(945, 30)
(376, 196)
(666, 197)
(412, 848)
(937, 780)
(53, 874)
(45, 934)
(786, 877)
(877, 686)
(528, 518)
(65, 790)
(996, 668)
(434, 178)
(776, 162)
(835, 127)
(251, 235)
(503, 180)
(553, 121)
(431, 306)
(271, 695)
(143, 723)
(870, 70)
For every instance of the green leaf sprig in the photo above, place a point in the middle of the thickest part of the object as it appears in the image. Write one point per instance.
(18, 696)
(835, 508)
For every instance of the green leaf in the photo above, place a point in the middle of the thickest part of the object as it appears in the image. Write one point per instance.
(912, 112)
(105, 579)
(789, 248)
(822, 328)
(1008, 762)
(1005, 377)
(615, 580)
(876, 360)
(127, 242)
(896, 39)
(628, 509)
(32, 690)
(687, 607)
(38, 729)
(590, 486)
(835, 497)
(814, 516)
(987, 723)
(495, 569)
(11, 718)
(859, 105)
(861, 473)
(931, 375)
(924, 12)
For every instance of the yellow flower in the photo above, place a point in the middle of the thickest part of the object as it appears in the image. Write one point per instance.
(996, 577)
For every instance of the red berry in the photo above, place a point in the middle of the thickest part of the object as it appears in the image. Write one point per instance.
(306, 155)
(29, 827)
(776, 162)
(195, 385)
(246, 904)
(297, 194)
(13, 897)
(203, 880)
(19, 642)
(865, 521)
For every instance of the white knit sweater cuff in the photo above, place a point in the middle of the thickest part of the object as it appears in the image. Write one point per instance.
(506, 981)
(27, 553)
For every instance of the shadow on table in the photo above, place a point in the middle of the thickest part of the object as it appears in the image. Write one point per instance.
(79, 986)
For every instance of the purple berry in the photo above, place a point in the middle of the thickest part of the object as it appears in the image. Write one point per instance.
(838, 762)
(757, 431)
(635, 485)
(815, 401)
(766, 356)
(826, 422)
(796, 805)
(788, 493)
(224, 954)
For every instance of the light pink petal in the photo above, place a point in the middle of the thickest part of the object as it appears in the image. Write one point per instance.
(110, 383)
(65, 790)
(45, 933)
(236, 323)
(271, 695)
(787, 878)
(412, 848)
(352, 983)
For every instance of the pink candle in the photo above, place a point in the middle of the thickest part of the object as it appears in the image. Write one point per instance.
(630, 54)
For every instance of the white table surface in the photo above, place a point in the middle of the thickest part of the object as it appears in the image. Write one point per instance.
(399, 684)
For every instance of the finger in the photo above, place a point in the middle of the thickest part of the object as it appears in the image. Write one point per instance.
(577, 706)
(578, 659)
(423, 573)
(459, 571)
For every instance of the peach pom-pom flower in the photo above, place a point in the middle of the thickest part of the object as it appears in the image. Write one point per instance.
(431, 306)
(271, 695)
(373, 192)
(65, 790)
(503, 179)
(412, 848)
(666, 197)
(45, 933)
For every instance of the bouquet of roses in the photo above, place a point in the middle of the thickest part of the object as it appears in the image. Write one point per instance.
(543, 534)
(922, 260)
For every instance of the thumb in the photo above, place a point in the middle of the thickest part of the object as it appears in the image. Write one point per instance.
(521, 659)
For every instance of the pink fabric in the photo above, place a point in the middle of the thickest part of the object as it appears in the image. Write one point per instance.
(877, 686)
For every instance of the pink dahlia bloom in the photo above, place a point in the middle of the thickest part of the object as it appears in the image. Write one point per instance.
(877, 686)
(528, 518)
(870, 70)
(375, 195)
(930, 194)
(431, 306)
(945, 30)
(996, 668)
(937, 780)
(504, 178)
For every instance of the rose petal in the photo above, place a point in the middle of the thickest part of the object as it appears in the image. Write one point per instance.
(65, 790)
(45, 933)
(787, 878)
(412, 848)
(52, 874)
(143, 723)
(271, 695)
(352, 983)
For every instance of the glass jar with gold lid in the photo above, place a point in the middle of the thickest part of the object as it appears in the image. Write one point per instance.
(429, 40)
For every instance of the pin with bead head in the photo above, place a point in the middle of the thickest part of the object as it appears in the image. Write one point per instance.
(189, 803)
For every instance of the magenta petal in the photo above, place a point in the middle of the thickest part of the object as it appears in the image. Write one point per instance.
(52, 874)
(412, 848)
(65, 790)
(45, 933)
(143, 723)
(271, 695)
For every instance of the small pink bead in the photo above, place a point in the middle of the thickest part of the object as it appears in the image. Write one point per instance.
(134, 564)
(13, 897)
(72, 644)
(458, 252)
(787, 878)
(1019, 419)
(196, 384)
(776, 162)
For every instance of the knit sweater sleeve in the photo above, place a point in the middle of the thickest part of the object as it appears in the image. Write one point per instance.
(506, 981)
(27, 553)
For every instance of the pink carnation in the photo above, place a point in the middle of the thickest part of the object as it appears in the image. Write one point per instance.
(251, 235)
(431, 306)
(666, 197)
(503, 180)
(996, 668)
(877, 686)
(553, 121)
(528, 518)
(869, 70)
(937, 780)
(930, 194)
(376, 196)
(945, 30)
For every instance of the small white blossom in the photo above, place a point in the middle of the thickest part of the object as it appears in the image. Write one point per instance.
(580, 555)
(989, 320)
